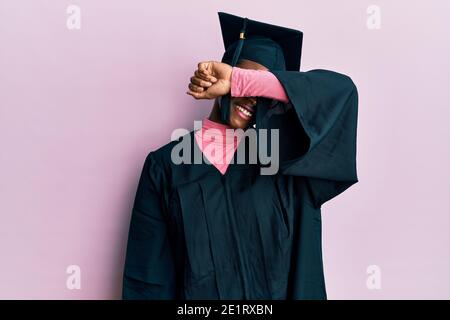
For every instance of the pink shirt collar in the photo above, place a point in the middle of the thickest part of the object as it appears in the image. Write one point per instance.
(217, 144)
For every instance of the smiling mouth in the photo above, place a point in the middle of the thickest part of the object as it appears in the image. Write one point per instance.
(244, 111)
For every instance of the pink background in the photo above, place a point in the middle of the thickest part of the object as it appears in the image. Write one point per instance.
(80, 109)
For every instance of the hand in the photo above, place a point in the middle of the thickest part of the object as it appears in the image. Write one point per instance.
(212, 79)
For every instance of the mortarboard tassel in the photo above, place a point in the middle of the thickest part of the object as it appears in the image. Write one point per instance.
(224, 101)
(237, 52)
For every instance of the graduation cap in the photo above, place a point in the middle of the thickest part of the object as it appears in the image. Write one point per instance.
(275, 47)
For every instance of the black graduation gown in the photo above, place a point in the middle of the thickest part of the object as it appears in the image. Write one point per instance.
(196, 234)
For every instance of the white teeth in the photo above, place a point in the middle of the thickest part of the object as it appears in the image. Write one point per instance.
(244, 111)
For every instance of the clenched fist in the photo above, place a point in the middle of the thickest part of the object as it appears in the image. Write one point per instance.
(212, 79)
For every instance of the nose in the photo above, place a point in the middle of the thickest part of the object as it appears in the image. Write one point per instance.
(252, 100)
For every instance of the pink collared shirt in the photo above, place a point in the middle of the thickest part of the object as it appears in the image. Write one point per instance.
(217, 143)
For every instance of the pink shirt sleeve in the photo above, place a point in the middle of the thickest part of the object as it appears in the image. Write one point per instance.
(256, 83)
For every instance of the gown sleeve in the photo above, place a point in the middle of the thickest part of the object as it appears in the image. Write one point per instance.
(325, 104)
(149, 266)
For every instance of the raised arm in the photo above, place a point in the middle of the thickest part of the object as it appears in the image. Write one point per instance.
(213, 79)
(256, 83)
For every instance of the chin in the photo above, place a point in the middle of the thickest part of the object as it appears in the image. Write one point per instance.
(239, 123)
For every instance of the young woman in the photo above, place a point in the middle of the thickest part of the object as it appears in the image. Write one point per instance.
(224, 230)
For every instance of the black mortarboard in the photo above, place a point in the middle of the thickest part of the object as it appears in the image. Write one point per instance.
(277, 48)
(270, 37)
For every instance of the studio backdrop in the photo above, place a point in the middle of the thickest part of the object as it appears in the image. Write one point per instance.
(89, 88)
